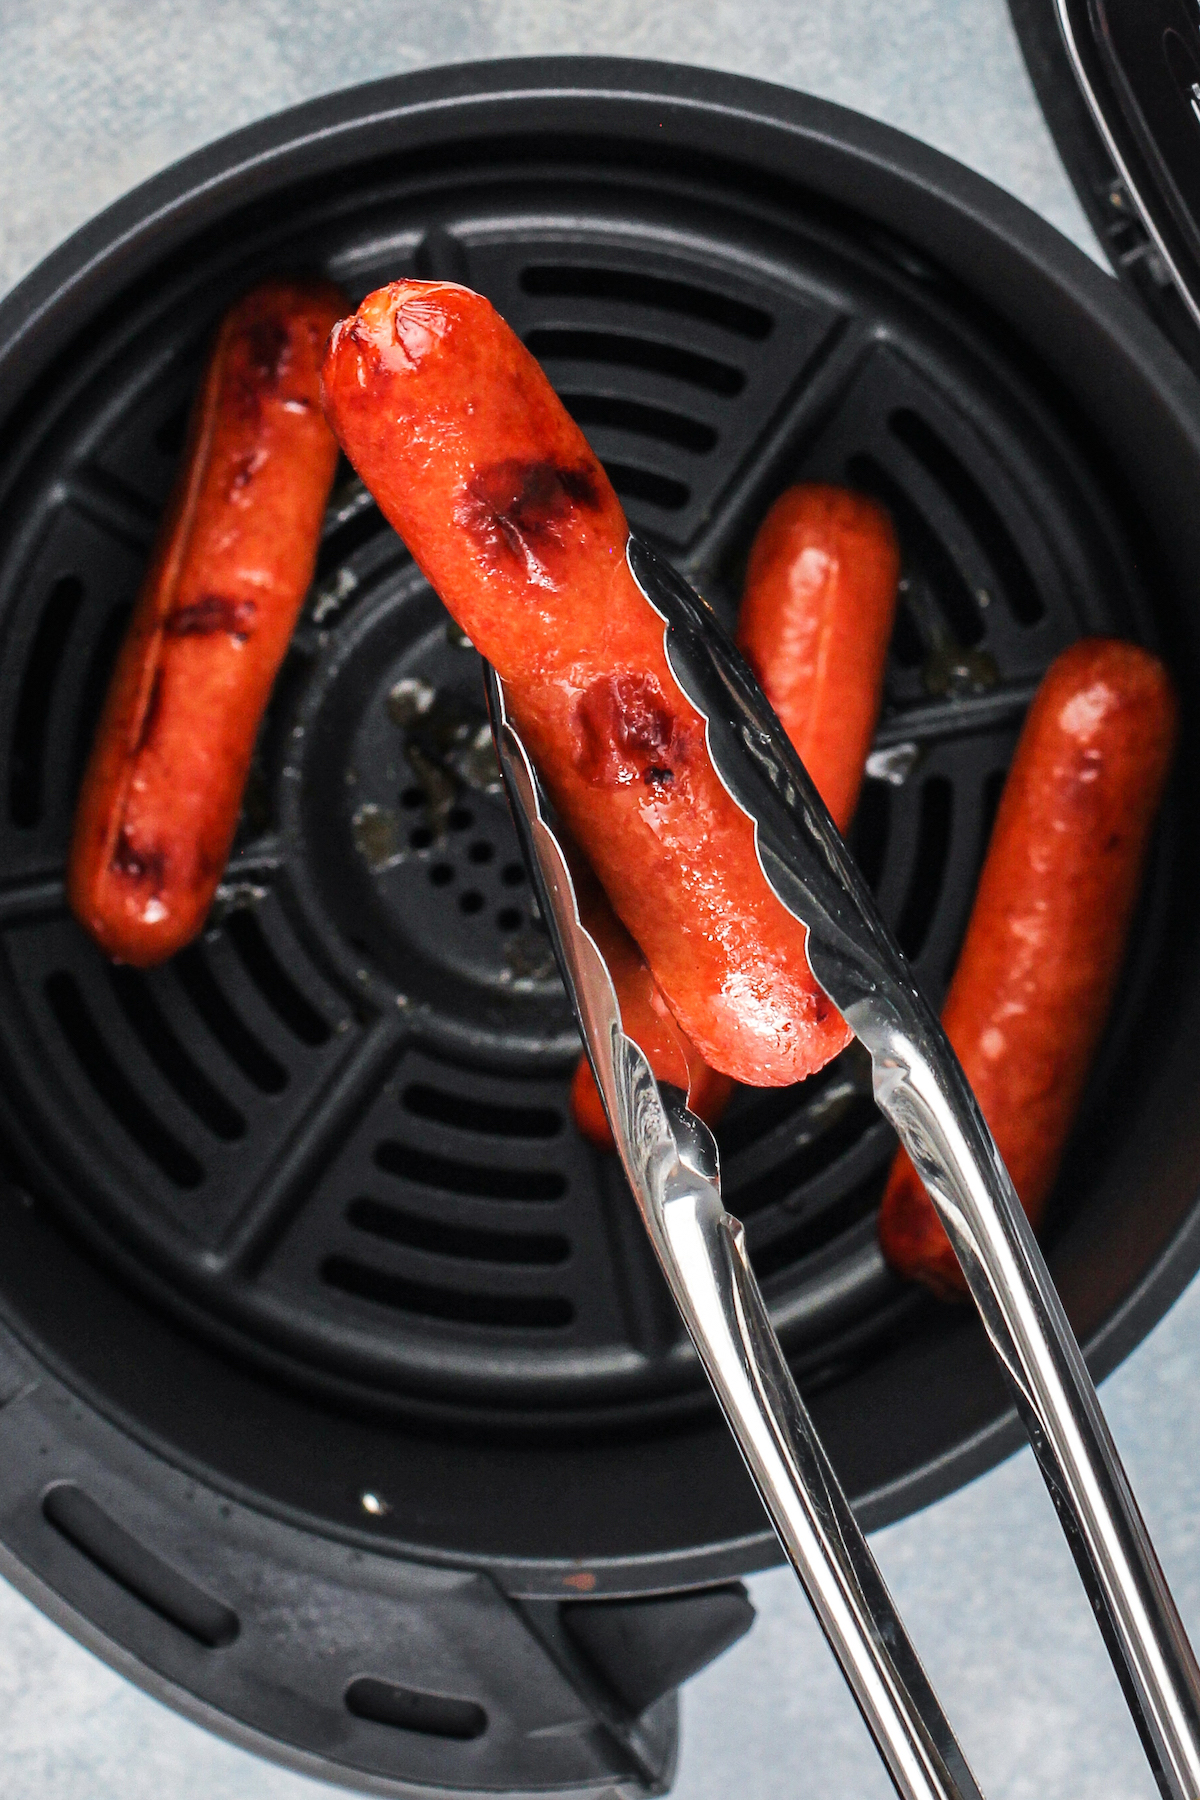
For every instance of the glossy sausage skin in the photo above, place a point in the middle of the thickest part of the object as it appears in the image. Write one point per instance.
(648, 1020)
(471, 456)
(815, 623)
(162, 790)
(1048, 930)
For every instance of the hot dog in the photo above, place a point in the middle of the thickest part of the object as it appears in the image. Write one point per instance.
(471, 456)
(1047, 932)
(162, 790)
(815, 623)
(647, 1019)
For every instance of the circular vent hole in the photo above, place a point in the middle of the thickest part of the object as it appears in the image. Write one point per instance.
(512, 874)
(470, 902)
(421, 838)
(508, 918)
(441, 874)
(412, 797)
(481, 852)
(460, 819)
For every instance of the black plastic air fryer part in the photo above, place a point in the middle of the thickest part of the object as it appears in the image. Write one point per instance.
(1138, 66)
(1112, 210)
(337, 1129)
(337, 1364)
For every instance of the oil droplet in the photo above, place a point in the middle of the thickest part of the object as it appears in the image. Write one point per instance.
(447, 745)
(958, 673)
(236, 896)
(330, 597)
(528, 959)
(377, 836)
(895, 764)
(409, 700)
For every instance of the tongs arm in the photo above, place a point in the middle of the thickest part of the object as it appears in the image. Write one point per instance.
(920, 1086)
(927, 1099)
(722, 1306)
(670, 1160)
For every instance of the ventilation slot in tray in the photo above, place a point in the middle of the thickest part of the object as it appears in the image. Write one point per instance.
(173, 1596)
(814, 1234)
(533, 1312)
(840, 1134)
(234, 1036)
(658, 490)
(454, 1177)
(408, 1709)
(581, 281)
(103, 1069)
(171, 435)
(906, 646)
(95, 685)
(869, 831)
(929, 864)
(440, 1238)
(1016, 583)
(26, 782)
(197, 1092)
(467, 1113)
(670, 360)
(993, 788)
(273, 981)
(639, 420)
(924, 553)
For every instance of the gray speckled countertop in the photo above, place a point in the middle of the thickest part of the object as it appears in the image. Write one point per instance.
(94, 97)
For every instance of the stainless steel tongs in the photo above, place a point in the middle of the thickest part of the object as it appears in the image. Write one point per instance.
(670, 1159)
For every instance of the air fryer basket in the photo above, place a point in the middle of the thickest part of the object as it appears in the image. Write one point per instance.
(328, 1337)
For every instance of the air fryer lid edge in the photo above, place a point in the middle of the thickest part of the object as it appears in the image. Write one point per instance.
(1119, 84)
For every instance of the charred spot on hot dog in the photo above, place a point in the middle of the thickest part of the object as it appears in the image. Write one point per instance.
(268, 350)
(626, 731)
(147, 866)
(518, 511)
(213, 613)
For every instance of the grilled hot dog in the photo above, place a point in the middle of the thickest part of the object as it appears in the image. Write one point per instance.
(815, 625)
(471, 456)
(163, 787)
(1047, 932)
(648, 1020)
(815, 622)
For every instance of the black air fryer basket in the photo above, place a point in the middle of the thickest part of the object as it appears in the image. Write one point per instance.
(341, 1403)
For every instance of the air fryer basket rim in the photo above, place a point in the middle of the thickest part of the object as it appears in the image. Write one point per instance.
(835, 150)
(1073, 317)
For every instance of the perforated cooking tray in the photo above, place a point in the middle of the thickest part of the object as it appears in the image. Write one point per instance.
(337, 1361)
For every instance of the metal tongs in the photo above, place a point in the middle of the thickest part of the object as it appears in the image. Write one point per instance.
(670, 1159)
